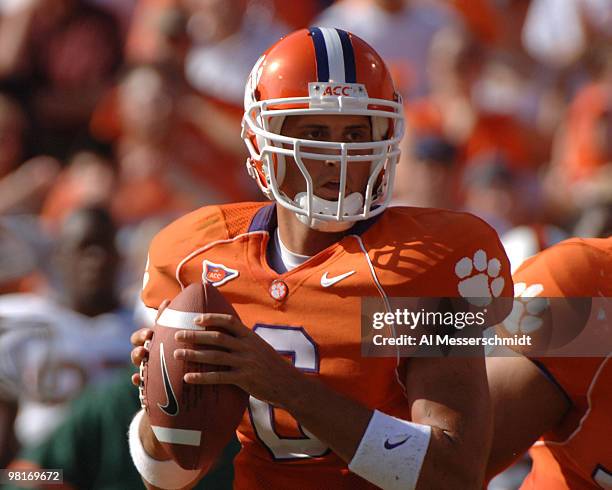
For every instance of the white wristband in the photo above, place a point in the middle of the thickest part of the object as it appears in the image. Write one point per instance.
(162, 474)
(391, 452)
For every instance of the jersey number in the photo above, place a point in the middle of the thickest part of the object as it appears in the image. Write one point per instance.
(294, 342)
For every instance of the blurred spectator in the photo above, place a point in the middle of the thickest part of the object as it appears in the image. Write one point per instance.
(24, 189)
(400, 30)
(88, 180)
(163, 156)
(18, 272)
(26, 232)
(471, 101)
(47, 62)
(454, 65)
(158, 33)
(299, 15)
(91, 446)
(596, 221)
(482, 18)
(228, 37)
(581, 169)
(22, 185)
(560, 40)
(43, 364)
(13, 126)
(426, 174)
(490, 191)
(123, 10)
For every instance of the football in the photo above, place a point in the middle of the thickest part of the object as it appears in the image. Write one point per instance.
(194, 423)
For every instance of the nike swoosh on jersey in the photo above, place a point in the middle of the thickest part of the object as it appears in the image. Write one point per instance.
(393, 445)
(330, 281)
(171, 407)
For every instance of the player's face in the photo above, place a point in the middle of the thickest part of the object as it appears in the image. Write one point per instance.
(326, 173)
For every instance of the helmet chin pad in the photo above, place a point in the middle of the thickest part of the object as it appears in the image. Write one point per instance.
(322, 207)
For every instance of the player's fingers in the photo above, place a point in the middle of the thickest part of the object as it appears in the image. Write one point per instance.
(138, 354)
(136, 379)
(211, 378)
(228, 322)
(202, 337)
(217, 357)
(139, 337)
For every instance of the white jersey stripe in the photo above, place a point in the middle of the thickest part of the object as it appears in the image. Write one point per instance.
(335, 58)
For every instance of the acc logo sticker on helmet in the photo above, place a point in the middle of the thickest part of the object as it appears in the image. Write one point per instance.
(319, 89)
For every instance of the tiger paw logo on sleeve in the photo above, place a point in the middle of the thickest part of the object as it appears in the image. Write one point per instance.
(480, 281)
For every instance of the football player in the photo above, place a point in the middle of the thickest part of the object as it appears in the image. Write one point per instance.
(322, 123)
(567, 399)
(42, 335)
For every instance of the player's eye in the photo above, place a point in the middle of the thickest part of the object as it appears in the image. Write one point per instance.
(357, 135)
(315, 134)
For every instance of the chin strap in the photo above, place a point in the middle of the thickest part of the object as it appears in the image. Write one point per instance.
(352, 205)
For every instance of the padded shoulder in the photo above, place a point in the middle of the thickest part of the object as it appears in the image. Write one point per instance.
(430, 252)
(573, 267)
(199, 228)
(177, 241)
(406, 224)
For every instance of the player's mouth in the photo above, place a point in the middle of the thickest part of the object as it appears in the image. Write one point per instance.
(330, 190)
(333, 185)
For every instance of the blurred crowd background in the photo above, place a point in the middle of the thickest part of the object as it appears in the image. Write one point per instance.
(117, 116)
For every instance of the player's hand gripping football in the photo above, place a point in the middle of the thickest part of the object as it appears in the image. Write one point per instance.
(138, 340)
(254, 365)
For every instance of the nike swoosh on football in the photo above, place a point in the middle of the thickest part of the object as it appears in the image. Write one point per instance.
(389, 445)
(171, 407)
(330, 281)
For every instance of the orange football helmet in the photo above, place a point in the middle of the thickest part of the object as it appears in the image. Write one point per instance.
(322, 71)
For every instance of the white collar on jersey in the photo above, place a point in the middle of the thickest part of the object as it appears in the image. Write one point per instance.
(290, 259)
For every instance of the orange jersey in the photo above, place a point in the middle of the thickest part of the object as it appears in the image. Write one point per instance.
(312, 313)
(577, 454)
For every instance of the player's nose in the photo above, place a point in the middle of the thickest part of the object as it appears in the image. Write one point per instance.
(331, 162)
